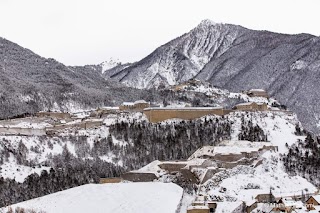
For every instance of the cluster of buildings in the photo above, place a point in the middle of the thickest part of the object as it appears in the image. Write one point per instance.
(266, 203)
(209, 159)
(202, 165)
(47, 123)
(158, 114)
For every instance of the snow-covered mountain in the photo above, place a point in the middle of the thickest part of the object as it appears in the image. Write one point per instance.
(30, 83)
(236, 58)
(182, 58)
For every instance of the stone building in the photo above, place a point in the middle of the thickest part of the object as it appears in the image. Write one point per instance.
(313, 202)
(265, 198)
(139, 176)
(251, 106)
(136, 106)
(258, 93)
(198, 209)
(159, 114)
(57, 115)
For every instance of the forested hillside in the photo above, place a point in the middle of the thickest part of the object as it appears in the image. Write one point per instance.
(303, 159)
(128, 145)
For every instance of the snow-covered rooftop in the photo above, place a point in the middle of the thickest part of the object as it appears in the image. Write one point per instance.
(317, 198)
(227, 206)
(257, 90)
(288, 202)
(116, 198)
(140, 102)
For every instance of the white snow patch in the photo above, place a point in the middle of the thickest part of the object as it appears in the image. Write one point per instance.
(13, 171)
(298, 65)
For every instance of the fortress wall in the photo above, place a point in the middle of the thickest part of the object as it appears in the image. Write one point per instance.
(158, 115)
(172, 167)
(228, 157)
(189, 176)
(209, 174)
(110, 180)
(139, 177)
(22, 131)
(59, 115)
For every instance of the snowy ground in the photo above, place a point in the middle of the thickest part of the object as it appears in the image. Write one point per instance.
(279, 126)
(110, 198)
(244, 183)
(12, 170)
(30, 122)
(40, 148)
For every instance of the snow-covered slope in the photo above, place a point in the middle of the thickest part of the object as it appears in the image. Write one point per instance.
(244, 183)
(110, 198)
(279, 126)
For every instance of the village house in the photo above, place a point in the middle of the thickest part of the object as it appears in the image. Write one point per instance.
(313, 203)
(158, 114)
(136, 106)
(202, 205)
(265, 198)
(258, 93)
(287, 204)
(251, 106)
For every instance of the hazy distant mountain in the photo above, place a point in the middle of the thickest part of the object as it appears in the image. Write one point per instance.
(29, 83)
(236, 58)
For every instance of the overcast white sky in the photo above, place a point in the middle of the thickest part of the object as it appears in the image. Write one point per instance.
(78, 32)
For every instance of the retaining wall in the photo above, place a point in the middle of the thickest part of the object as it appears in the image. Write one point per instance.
(161, 114)
(22, 131)
(139, 177)
(110, 180)
(172, 167)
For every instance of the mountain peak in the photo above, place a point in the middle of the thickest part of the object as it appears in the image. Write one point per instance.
(109, 64)
(207, 22)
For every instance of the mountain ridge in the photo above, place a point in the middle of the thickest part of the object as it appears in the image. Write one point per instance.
(236, 58)
(30, 83)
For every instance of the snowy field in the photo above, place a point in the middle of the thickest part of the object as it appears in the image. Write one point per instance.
(110, 198)
(278, 126)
